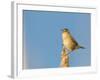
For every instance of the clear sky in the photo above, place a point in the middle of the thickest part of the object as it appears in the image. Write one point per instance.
(43, 40)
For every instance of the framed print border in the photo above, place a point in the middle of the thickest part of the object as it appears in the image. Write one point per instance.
(17, 40)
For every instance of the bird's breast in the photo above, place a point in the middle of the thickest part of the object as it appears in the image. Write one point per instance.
(68, 42)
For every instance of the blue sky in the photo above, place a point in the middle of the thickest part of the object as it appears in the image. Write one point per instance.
(43, 40)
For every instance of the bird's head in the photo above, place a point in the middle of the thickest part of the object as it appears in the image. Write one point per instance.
(65, 30)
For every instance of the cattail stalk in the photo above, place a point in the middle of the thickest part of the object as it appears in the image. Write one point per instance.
(64, 58)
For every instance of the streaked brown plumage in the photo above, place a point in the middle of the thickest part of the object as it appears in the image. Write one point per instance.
(68, 41)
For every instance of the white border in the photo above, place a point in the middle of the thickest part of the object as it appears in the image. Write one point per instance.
(17, 70)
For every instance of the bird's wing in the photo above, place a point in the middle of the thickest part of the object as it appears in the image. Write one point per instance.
(74, 41)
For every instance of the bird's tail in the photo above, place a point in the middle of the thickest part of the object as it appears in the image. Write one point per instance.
(81, 47)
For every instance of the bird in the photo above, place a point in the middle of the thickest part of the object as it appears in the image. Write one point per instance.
(68, 42)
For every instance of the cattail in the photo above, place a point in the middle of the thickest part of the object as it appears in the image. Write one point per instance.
(64, 58)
